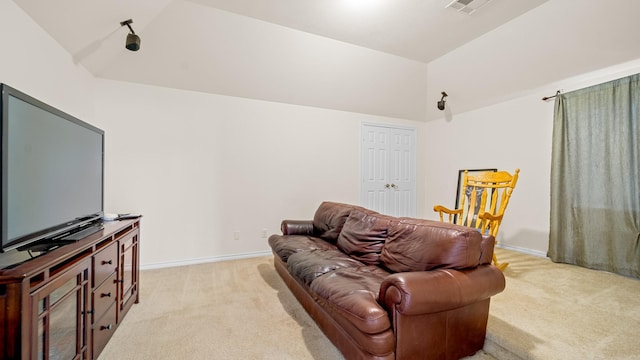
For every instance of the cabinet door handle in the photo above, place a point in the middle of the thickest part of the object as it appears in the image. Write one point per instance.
(107, 262)
(120, 281)
(106, 327)
(90, 312)
(105, 294)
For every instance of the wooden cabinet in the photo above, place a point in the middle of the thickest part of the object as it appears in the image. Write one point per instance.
(66, 303)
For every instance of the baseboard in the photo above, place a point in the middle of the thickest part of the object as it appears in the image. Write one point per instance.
(204, 260)
(523, 250)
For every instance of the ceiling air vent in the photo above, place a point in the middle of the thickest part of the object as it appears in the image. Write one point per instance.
(467, 6)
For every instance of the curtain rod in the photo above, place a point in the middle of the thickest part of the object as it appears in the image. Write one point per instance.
(551, 97)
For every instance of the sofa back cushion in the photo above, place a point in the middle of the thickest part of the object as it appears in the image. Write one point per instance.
(364, 234)
(329, 220)
(417, 245)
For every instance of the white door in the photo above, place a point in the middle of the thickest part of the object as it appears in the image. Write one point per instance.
(388, 170)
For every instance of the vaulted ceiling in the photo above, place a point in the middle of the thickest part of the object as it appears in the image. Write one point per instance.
(421, 30)
(291, 51)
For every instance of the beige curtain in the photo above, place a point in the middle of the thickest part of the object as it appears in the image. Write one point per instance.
(595, 183)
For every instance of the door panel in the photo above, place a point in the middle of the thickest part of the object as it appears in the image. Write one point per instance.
(388, 168)
(375, 160)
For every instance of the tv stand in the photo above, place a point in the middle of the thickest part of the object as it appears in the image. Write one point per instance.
(66, 302)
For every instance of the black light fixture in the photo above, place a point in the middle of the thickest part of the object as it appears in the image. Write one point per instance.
(441, 102)
(133, 40)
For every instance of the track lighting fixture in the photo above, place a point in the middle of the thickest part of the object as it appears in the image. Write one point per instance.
(441, 102)
(133, 40)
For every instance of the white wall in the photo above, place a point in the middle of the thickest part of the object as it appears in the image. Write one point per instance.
(32, 62)
(509, 135)
(495, 117)
(201, 167)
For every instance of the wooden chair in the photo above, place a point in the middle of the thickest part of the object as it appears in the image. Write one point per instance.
(483, 202)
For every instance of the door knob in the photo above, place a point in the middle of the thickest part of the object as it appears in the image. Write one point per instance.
(387, 186)
(394, 186)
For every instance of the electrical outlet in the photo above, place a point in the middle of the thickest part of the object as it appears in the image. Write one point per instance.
(236, 235)
(264, 233)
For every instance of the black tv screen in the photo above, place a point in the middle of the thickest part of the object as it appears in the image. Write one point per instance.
(52, 170)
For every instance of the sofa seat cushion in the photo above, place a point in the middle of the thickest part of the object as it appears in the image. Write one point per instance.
(285, 245)
(418, 245)
(364, 234)
(306, 266)
(329, 220)
(353, 294)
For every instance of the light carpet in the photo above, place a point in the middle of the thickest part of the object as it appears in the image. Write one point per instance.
(241, 309)
(559, 311)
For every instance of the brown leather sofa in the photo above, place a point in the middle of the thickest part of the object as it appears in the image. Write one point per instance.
(382, 287)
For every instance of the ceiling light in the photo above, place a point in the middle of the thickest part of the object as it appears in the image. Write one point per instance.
(133, 40)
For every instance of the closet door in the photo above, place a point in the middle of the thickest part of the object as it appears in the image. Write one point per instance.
(388, 169)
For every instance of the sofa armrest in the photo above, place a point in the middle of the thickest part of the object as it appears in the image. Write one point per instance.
(297, 227)
(425, 292)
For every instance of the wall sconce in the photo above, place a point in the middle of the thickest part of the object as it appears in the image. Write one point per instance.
(441, 102)
(133, 40)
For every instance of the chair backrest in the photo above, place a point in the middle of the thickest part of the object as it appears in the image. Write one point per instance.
(484, 199)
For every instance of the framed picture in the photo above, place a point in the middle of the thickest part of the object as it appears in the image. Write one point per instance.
(461, 192)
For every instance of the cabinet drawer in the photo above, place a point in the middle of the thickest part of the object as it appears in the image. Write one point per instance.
(104, 296)
(104, 263)
(102, 330)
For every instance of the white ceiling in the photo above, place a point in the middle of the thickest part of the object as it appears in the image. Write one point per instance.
(302, 51)
(421, 30)
(183, 39)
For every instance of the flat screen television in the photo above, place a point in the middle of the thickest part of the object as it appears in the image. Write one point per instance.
(52, 172)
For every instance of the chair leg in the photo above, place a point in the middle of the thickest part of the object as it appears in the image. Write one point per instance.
(499, 265)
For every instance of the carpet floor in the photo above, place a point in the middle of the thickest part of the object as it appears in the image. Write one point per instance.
(241, 309)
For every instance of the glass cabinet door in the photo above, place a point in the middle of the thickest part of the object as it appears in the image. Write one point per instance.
(60, 316)
(128, 264)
